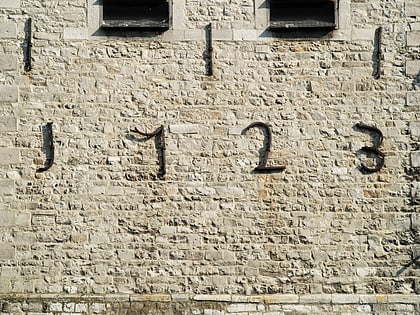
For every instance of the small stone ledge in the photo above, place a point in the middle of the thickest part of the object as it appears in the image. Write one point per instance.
(224, 298)
(148, 298)
(276, 299)
(212, 298)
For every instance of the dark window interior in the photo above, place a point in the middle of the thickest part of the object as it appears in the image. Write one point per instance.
(289, 14)
(147, 14)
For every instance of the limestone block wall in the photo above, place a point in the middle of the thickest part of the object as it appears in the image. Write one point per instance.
(101, 232)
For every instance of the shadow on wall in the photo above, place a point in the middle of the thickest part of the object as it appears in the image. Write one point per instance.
(414, 261)
(416, 81)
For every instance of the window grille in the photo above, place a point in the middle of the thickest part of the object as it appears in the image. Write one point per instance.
(138, 14)
(295, 14)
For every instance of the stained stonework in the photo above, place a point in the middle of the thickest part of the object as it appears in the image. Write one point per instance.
(102, 232)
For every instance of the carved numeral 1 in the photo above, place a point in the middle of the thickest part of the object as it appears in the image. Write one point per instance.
(262, 167)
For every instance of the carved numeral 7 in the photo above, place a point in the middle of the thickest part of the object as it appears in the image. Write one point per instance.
(262, 167)
(159, 135)
(49, 147)
(374, 149)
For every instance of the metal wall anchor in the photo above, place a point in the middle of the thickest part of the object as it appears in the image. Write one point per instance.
(209, 50)
(262, 167)
(28, 55)
(48, 136)
(379, 53)
(159, 134)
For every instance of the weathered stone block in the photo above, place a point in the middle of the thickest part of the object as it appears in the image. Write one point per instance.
(415, 221)
(413, 38)
(9, 156)
(8, 30)
(363, 33)
(8, 62)
(281, 298)
(417, 286)
(315, 298)
(415, 26)
(245, 307)
(7, 251)
(415, 159)
(75, 33)
(56, 307)
(222, 35)
(81, 308)
(77, 237)
(8, 124)
(412, 8)
(4, 286)
(401, 298)
(415, 128)
(345, 299)
(7, 218)
(9, 93)
(69, 307)
(99, 238)
(412, 68)
(185, 129)
(213, 297)
(98, 308)
(415, 193)
(12, 4)
(43, 219)
(46, 36)
(413, 98)
(7, 187)
(23, 219)
(213, 312)
(245, 34)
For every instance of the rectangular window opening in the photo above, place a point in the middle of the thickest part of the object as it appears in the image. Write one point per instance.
(136, 14)
(295, 14)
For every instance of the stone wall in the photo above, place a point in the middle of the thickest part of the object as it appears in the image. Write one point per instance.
(100, 232)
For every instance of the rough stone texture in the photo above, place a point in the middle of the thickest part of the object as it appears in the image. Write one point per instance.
(7, 30)
(9, 93)
(100, 232)
(415, 159)
(8, 124)
(413, 39)
(413, 68)
(8, 62)
(75, 33)
(135, 304)
(413, 98)
(10, 4)
(412, 8)
(7, 252)
(9, 156)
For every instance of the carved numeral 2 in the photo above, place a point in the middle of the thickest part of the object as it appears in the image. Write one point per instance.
(262, 167)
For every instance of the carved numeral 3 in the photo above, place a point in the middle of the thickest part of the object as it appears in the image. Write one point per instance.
(380, 157)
